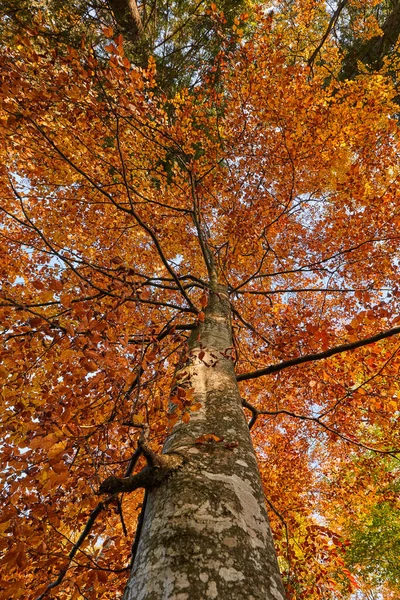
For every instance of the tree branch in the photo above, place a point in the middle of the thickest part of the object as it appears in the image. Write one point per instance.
(331, 24)
(273, 413)
(318, 355)
(88, 527)
(130, 211)
(159, 467)
(253, 410)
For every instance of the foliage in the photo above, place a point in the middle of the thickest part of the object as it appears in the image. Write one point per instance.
(375, 546)
(373, 531)
(182, 36)
(114, 195)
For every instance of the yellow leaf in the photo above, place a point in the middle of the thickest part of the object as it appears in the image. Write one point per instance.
(57, 449)
(4, 527)
(138, 419)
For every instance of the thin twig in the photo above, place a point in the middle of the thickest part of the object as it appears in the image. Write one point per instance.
(256, 412)
(278, 514)
(88, 527)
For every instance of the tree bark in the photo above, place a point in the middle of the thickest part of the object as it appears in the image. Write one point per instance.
(128, 19)
(205, 533)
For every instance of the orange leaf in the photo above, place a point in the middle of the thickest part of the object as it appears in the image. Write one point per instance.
(57, 449)
(108, 32)
(208, 437)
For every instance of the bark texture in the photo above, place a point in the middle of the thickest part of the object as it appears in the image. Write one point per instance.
(127, 16)
(205, 533)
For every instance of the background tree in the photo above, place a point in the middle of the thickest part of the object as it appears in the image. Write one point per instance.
(181, 36)
(130, 216)
(374, 532)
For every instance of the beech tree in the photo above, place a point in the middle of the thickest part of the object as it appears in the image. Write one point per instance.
(199, 303)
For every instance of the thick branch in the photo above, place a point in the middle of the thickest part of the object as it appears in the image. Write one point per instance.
(318, 355)
(115, 485)
(159, 467)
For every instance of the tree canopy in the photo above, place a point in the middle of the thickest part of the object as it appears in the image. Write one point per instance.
(257, 142)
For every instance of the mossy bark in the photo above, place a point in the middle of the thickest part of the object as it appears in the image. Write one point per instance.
(205, 533)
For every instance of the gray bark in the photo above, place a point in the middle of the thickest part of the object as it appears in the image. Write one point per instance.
(205, 533)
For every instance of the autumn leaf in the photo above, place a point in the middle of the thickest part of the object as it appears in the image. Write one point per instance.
(208, 437)
(57, 449)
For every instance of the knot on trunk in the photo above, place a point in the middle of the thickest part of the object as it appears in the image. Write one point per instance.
(159, 467)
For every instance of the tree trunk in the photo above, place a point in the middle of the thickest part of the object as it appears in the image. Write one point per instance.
(127, 16)
(205, 532)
